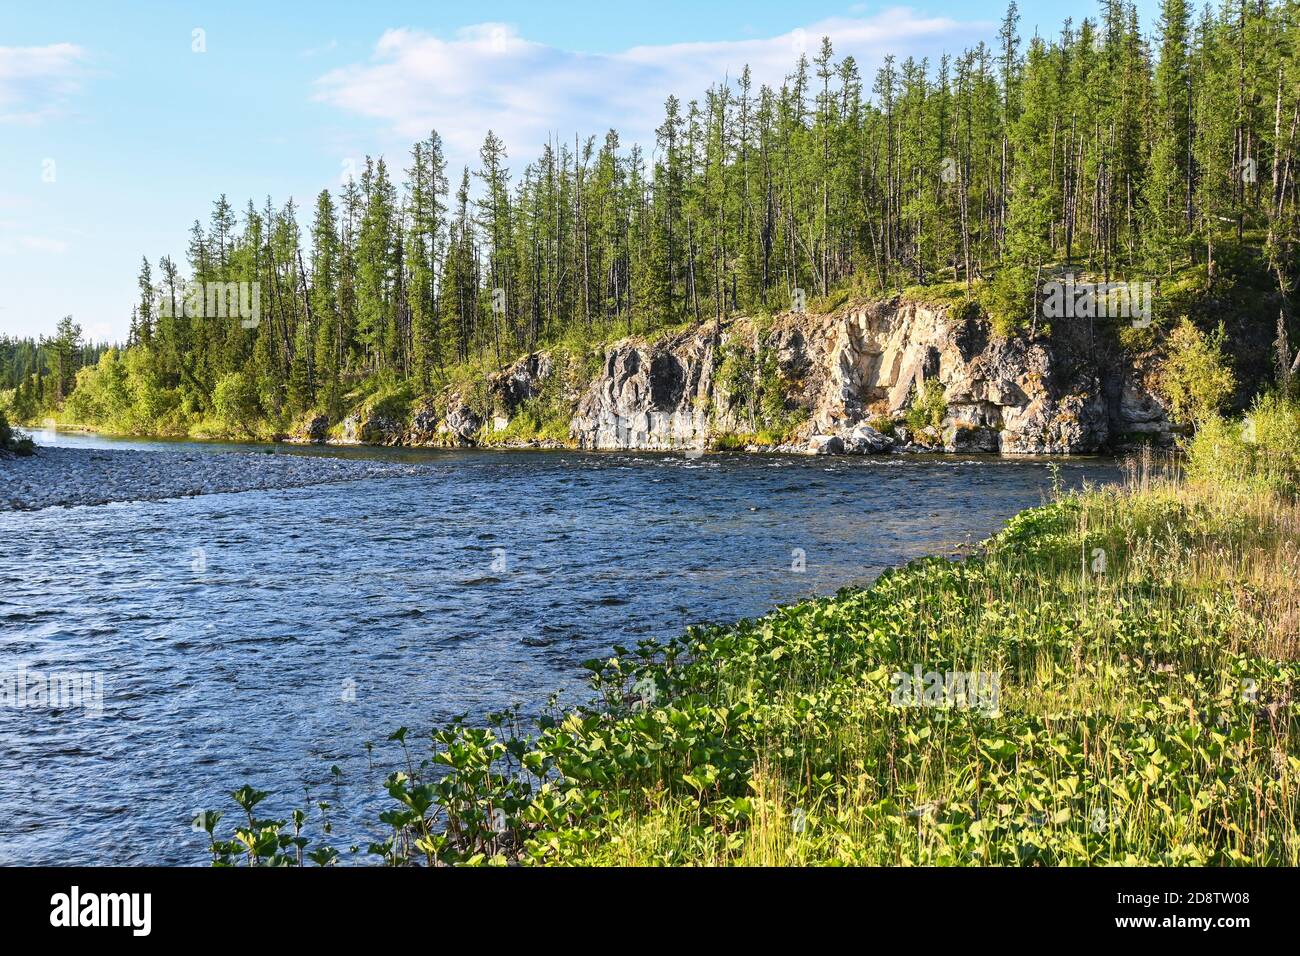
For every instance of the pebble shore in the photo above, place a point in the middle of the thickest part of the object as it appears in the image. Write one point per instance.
(56, 476)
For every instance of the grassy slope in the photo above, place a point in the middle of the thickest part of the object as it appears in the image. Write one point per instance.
(1145, 711)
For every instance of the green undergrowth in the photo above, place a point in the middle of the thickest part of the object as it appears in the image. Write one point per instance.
(11, 441)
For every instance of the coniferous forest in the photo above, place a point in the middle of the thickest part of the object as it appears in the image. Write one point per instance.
(1120, 153)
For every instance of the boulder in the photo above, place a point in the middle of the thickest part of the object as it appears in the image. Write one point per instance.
(425, 424)
(824, 445)
(313, 429)
(928, 437)
(366, 426)
(865, 440)
(519, 382)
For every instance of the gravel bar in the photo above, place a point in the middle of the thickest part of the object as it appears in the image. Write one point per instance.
(56, 476)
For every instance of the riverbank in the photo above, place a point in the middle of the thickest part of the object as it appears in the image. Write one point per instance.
(866, 376)
(54, 476)
(1112, 679)
(925, 372)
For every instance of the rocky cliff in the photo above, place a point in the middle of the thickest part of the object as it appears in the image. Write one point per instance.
(839, 382)
(865, 365)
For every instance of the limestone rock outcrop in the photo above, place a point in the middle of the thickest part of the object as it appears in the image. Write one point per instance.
(866, 362)
(847, 378)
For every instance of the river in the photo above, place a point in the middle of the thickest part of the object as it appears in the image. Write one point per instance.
(266, 636)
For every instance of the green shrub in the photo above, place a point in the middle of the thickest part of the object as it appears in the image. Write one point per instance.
(755, 383)
(1274, 426)
(151, 400)
(235, 401)
(885, 426)
(537, 419)
(929, 406)
(1008, 300)
(1219, 452)
(730, 441)
(1261, 451)
(966, 308)
(13, 441)
(393, 401)
(102, 397)
(830, 302)
(736, 372)
(546, 416)
(1196, 378)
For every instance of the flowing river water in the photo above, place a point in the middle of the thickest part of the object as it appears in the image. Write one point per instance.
(264, 637)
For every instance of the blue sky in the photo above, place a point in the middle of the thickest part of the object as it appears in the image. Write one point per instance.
(115, 134)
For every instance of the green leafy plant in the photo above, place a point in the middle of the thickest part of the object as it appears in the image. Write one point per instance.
(11, 441)
(1196, 378)
(235, 401)
(928, 407)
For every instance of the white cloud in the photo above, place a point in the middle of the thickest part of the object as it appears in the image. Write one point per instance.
(35, 80)
(489, 77)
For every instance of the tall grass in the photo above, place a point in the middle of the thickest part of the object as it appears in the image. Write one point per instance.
(1262, 451)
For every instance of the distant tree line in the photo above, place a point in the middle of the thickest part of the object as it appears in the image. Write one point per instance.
(38, 374)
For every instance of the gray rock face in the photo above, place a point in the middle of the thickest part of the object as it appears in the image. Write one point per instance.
(1138, 412)
(456, 426)
(861, 364)
(824, 445)
(371, 428)
(448, 420)
(652, 397)
(970, 438)
(461, 423)
(865, 440)
(1018, 395)
(520, 382)
(424, 428)
(314, 430)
